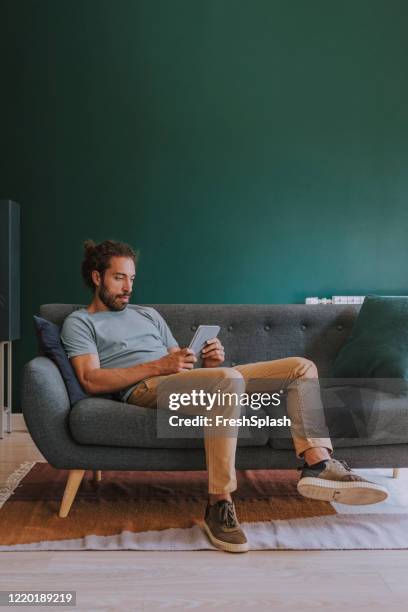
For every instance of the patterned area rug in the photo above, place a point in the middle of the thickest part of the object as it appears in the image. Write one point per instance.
(163, 511)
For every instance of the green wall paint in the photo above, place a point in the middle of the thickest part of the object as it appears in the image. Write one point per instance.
(255, 151)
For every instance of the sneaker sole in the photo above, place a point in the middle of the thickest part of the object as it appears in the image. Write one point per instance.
(227, 546)
(352, 493)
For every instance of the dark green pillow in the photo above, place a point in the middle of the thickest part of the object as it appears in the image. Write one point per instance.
(378, 344)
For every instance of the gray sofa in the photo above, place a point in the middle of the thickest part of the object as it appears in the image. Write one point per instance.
(102, 434)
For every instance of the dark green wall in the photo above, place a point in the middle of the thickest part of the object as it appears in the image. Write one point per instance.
(255, 151)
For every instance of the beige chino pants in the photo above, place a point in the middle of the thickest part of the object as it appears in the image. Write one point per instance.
(297, 376)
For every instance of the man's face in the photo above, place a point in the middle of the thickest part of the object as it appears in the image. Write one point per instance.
(115, 287)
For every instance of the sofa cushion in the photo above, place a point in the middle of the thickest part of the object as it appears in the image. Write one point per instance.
(50, 345)
(99, 421)
(378, 344)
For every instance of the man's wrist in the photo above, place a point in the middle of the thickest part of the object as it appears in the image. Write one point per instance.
(153, 368)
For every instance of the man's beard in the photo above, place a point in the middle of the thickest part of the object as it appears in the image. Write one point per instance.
(110, 300)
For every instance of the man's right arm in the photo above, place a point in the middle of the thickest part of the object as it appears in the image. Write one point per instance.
(96, 380)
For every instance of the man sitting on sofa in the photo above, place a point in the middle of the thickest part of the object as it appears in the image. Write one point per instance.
(131, 351)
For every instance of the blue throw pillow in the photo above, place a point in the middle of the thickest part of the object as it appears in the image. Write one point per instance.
(50, 345)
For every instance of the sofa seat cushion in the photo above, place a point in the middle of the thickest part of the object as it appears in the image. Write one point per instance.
(361, 416)
(99, 421)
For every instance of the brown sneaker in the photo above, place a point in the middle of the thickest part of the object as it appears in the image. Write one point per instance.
(337, 482)
(222, 527)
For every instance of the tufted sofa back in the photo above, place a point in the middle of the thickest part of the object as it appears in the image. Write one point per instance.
(255, 332)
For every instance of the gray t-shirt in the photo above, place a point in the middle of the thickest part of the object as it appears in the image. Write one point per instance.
(121, 338)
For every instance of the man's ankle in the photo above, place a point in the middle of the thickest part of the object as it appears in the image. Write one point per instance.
(314, 455)
(319, 465)
(214, 498)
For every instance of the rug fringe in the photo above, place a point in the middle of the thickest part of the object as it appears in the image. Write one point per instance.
(14, 480)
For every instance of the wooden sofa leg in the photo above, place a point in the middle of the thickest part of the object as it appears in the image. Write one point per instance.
(71, 488)
(395, 472)
(97, 474)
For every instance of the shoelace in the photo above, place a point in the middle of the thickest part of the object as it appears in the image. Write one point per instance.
(344, 464)
(227, 514)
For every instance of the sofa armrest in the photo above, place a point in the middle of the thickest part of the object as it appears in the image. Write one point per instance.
(46, 407)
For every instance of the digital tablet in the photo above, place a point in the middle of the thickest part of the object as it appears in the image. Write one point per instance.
(203, 333)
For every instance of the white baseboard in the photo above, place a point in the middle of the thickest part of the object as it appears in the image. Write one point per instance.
(18, 422)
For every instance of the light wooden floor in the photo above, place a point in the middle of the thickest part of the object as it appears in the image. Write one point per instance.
(131, 580)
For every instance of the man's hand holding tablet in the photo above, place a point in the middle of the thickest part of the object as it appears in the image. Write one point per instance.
(206, 344)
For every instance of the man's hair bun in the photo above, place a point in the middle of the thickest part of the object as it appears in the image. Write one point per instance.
(89, 246)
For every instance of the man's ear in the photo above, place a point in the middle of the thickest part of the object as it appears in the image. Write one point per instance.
(96, 277)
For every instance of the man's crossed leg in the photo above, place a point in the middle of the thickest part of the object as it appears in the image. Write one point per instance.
(322, 476)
